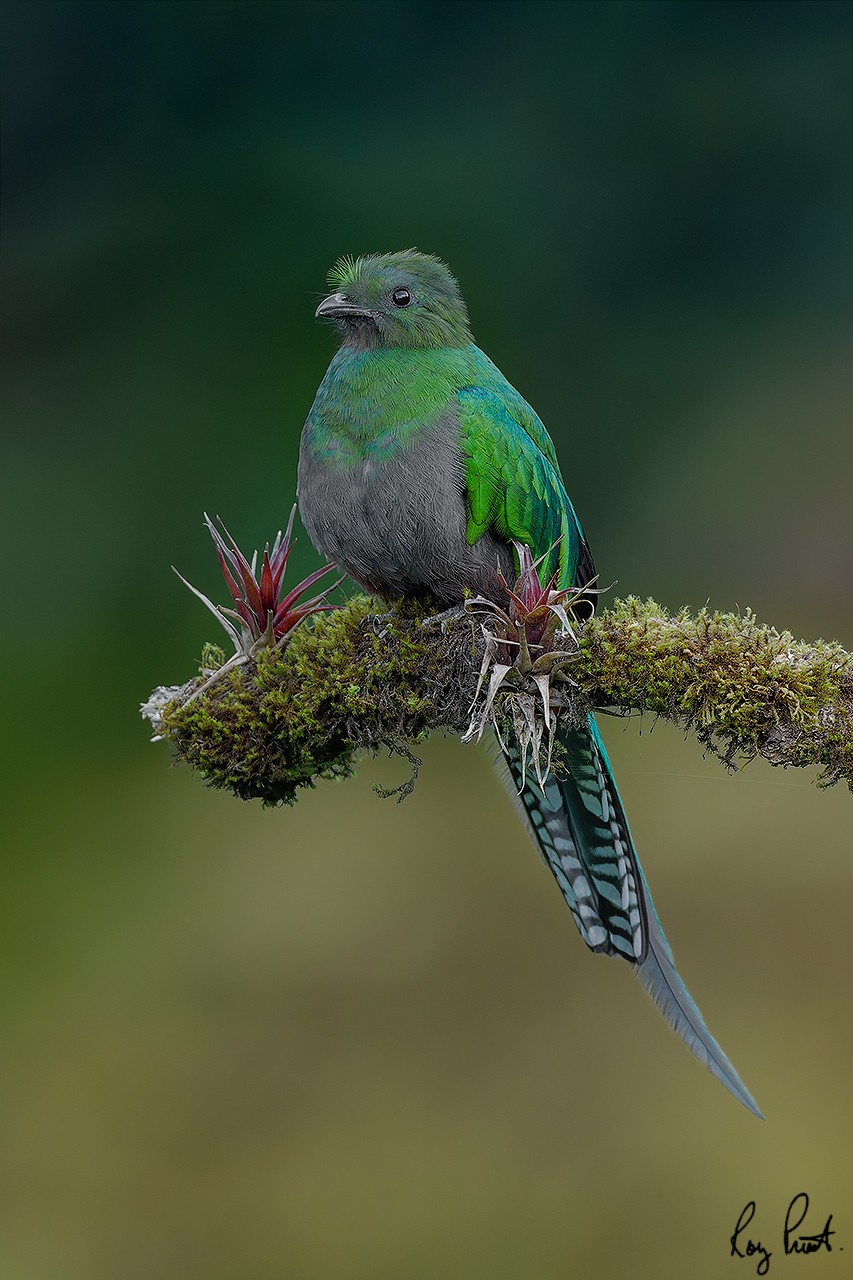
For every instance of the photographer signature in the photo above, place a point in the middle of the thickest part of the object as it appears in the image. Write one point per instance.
(792, 1242)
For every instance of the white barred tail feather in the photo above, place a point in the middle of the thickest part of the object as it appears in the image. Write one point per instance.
(578, 824)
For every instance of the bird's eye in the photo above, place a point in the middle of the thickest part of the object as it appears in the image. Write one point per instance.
(401, 297)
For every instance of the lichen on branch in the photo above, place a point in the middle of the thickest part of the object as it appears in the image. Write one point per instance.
(355, 681)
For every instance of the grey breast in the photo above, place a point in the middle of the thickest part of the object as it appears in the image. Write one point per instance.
(397, 524)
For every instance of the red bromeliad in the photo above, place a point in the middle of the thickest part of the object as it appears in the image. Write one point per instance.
(523, 649)
(533, 613)
(263, 617)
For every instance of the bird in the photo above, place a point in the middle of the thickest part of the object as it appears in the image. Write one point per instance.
(420, 466)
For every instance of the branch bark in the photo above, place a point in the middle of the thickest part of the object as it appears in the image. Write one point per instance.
(354, 681)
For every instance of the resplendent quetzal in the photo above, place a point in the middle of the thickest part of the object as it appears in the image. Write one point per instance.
(419, 466)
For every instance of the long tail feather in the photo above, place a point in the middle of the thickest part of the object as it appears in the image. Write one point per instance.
(578, 824)
(661, 979)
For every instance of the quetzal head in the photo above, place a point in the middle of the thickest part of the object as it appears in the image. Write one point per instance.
(405, 299)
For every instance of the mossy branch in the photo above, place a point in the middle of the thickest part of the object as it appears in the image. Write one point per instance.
(354, 681)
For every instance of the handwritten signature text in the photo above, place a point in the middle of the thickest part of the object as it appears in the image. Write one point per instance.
(793, 1241)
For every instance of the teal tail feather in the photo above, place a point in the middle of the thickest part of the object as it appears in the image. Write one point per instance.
(578, 824)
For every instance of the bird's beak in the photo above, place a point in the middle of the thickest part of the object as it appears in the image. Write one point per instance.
(338, 307)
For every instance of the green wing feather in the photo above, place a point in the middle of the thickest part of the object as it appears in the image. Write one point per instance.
(513, 482)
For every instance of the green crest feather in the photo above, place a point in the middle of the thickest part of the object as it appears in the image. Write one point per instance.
(345, 271)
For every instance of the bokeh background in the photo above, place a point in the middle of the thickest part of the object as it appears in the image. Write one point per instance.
(355, 1039)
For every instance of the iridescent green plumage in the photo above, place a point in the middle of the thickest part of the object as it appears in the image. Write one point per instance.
(512, 481)
(420, 465)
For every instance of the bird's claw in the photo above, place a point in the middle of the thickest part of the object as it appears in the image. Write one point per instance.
(441, 621)
(383, 621)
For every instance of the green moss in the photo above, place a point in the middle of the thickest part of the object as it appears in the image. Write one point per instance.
(304, 711)
(352, 681)
(737, 683)
(212, 657)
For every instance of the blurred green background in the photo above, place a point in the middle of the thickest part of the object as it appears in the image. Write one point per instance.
(354, 1039)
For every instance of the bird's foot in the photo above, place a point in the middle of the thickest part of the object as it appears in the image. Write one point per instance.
(441, 621)
(381, 622)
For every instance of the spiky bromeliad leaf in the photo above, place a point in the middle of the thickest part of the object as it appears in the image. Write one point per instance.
(522, 657)
(261, 616)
